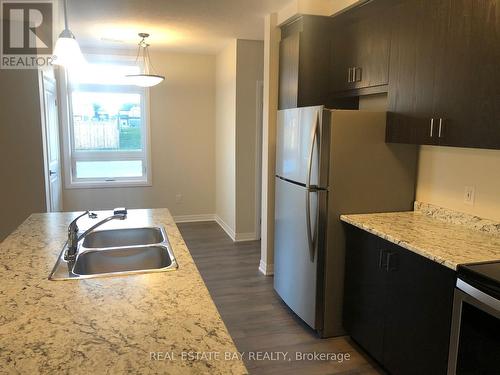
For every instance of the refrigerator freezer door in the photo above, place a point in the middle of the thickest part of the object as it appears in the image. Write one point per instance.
(297, 144)
(295, 274)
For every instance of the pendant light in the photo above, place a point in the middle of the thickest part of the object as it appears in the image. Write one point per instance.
(148, 78)
(67, 52)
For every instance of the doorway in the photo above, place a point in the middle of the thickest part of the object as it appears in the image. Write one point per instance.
(50, 131)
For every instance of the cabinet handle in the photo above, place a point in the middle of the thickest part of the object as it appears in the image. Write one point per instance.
(388, 266)
(381, 259)
(349, 75)
(440, 129)
(432, 128)
(357, 78)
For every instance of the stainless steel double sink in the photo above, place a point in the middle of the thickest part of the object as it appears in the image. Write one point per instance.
(117, 252)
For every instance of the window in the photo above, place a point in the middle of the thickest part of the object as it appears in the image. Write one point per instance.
(108, 129)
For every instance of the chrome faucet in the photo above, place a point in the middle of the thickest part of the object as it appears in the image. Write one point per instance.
(74, 238)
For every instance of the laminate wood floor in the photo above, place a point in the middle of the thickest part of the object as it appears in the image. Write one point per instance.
(255, 316)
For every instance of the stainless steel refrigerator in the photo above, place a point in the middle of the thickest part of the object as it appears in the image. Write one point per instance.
(328, 163)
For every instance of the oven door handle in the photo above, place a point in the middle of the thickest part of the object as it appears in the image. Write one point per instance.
(478, 295)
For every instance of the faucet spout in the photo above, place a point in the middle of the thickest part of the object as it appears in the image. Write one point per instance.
(113, 217)
(74, 238)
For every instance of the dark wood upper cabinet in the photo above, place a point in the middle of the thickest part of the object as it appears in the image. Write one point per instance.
(305, 62)
(360, 49)
(444, 82)
(412, 73)
(437, 59)
(467, 88)
(289, 71)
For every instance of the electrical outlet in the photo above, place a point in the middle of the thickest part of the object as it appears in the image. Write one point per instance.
(178, 198)
(470, 192)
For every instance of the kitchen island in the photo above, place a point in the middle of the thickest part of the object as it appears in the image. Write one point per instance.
(148, 323)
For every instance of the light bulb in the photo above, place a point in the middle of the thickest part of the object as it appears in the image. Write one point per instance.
(67, 52)
(145, 80)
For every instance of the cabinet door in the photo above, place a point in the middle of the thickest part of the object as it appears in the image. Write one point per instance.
(418, 312)
(468, 80)
(401, 118)
(372, 47)
(415, 38)
(364, 291)
(289, 71)
(343, 56)
(304, 62)
(360, 49)
(314, 60)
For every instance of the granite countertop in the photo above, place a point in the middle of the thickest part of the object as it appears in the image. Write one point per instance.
(149, 323)
(447, 243)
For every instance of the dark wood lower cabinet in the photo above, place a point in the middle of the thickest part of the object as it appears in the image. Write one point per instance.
(397, 304)
(364, 294)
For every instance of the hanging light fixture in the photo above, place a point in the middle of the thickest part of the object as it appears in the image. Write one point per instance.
(148, 78)
(67, 52)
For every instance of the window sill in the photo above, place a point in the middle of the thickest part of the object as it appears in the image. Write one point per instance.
(108, 184)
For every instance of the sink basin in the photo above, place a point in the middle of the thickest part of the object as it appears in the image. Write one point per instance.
(117, 252)
(125, 259)
(123, 237)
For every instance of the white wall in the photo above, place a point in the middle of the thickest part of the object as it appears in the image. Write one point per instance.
(314, 7)
(21, 156)
(225, 138)
(182, 113)
(249, 71)
(270, 106)
(239, 66)
(444, 172)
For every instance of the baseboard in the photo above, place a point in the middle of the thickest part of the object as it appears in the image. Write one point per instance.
(236, 237)
(241, 237)
(226, 227)
(194, 218)
(266, 269)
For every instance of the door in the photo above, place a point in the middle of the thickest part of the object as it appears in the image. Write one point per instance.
(299, 146)
(295, 261)
(51, 146)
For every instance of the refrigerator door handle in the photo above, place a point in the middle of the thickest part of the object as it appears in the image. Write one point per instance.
(311, 238)
(314, 138)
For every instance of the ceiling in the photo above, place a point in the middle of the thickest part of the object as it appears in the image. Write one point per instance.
(202, 26)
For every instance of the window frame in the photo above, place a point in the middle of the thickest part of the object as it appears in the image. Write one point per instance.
(72, 156)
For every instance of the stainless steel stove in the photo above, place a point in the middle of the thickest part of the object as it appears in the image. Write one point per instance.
(475, 330)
